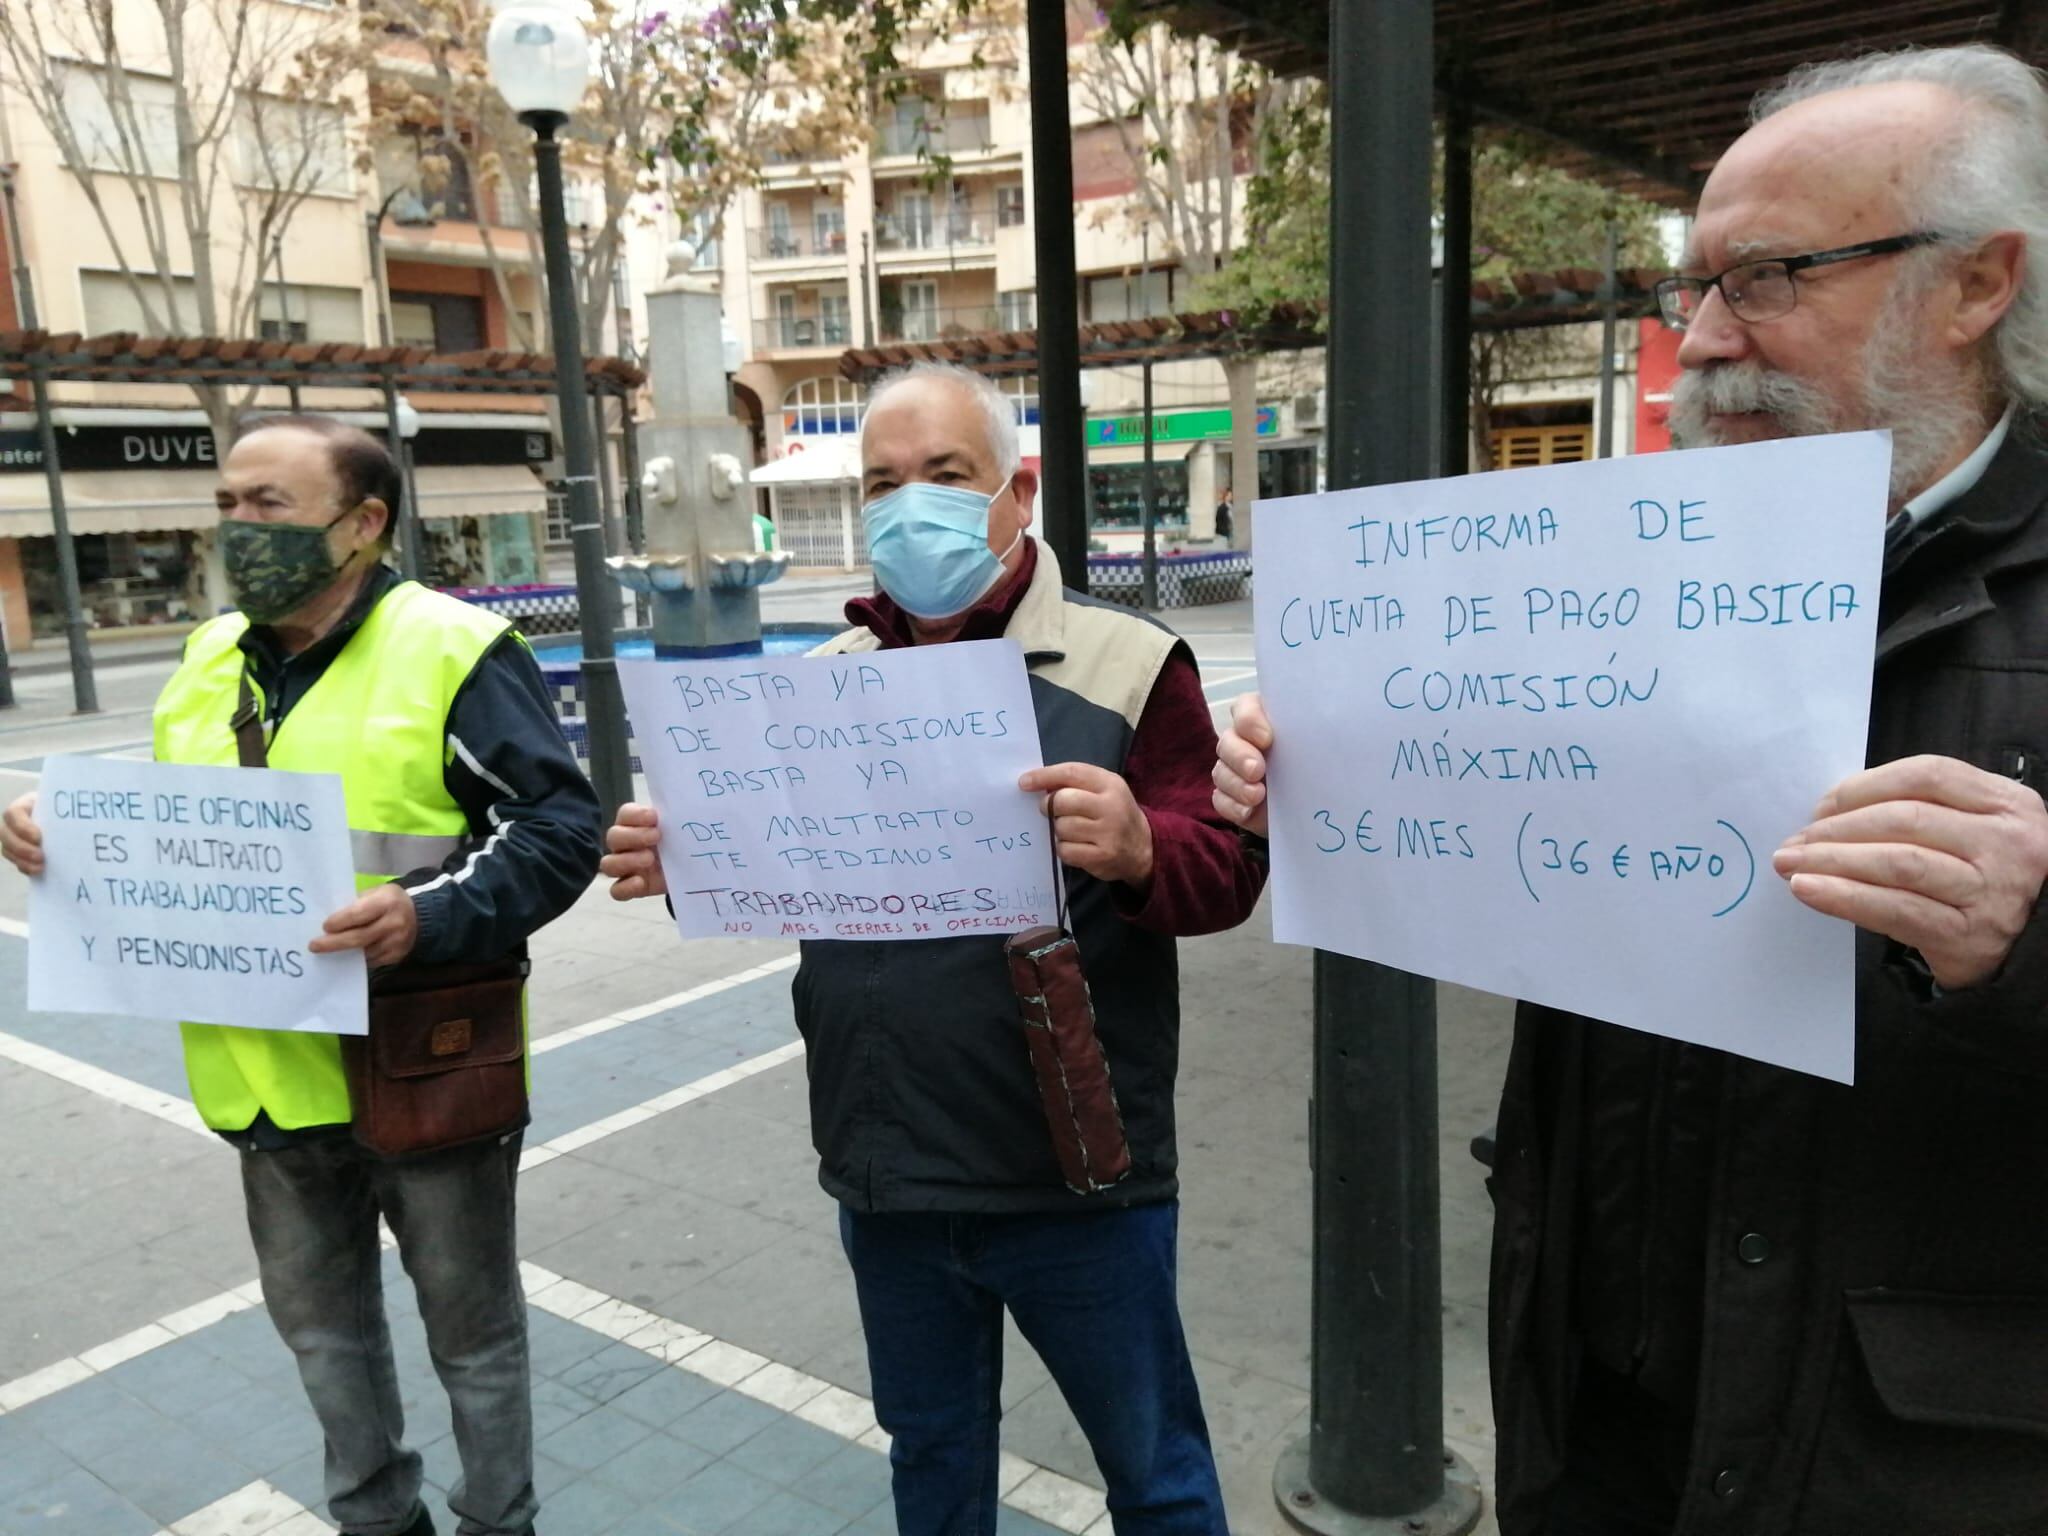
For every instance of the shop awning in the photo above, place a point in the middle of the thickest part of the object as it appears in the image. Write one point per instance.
(110, 501)
(820, 461)
(477, 490)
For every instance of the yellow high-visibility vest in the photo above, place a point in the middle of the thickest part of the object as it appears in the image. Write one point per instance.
(378, 716)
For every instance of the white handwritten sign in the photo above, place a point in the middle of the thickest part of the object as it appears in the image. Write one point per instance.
(1540, 732)
(175, 892)
(846, 797)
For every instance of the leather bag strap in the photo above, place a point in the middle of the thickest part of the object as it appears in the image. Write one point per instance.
(250, 748)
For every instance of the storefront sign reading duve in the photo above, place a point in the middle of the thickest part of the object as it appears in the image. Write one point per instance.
(111, 448)
(191, 447)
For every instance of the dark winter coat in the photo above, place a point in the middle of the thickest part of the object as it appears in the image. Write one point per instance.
(1874, 1355)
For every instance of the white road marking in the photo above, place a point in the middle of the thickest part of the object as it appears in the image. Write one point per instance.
(257, 1510)
(167, 1107)
(660, 1104)
(694, 994)
(1028, 1488)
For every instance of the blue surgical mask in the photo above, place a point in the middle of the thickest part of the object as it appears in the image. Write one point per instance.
(929, 545)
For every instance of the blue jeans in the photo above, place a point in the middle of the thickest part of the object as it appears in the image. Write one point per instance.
(1093, 1293)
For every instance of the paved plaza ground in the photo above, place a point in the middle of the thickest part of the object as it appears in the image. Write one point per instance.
(699, 1366)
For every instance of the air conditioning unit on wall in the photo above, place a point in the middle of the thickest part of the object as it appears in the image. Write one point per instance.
(1308, 412)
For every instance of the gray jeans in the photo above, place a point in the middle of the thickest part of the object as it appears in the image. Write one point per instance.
(313, 1212)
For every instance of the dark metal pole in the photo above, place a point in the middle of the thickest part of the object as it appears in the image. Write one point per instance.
(411, 544)
(629, 453)
(636, 511)
(1454, 369)
(1150, 595)
(604, 707)
(24, 290)
(1063, 449)
(608, 497)
(1374, 1457)
(84, 690)
(1609, 303)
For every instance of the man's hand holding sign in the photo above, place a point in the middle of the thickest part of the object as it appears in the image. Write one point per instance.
(1099, 826)
(178, 892)
(1940, 856)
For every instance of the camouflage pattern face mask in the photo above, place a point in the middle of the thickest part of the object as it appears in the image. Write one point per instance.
(273, 568)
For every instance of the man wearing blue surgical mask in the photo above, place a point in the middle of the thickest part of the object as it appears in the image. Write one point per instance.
(924, 1110)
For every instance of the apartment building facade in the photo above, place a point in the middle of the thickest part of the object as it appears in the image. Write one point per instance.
(138, 461)
(926, 233)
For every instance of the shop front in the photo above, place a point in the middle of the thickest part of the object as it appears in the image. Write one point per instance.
(139, 489)
(482, 503)
(1190, 454)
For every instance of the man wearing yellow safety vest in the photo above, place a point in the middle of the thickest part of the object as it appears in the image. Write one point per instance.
(472, 827)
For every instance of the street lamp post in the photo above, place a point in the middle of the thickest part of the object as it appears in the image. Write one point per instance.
(540, 63)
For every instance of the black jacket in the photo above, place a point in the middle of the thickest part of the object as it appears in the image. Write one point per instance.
(922, 1093)
(1872, 1317)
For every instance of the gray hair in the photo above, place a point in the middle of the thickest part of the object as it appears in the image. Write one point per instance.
(1990, 175)
(996, 408)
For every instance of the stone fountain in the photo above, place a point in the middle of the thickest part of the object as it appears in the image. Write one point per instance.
(701, 572)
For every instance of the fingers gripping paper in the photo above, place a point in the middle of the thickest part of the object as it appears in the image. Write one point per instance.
(871, 796)
(176, 892)
(1540, 732)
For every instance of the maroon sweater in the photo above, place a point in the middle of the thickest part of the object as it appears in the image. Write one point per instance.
(1206, 873)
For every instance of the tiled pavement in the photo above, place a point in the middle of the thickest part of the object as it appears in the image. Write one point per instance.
(644, 1425)
(212, 1425)
(701, 1368)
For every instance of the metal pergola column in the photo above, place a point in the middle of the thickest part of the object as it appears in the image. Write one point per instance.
(1374, 1458)
(1063, 480)
(1454, 362)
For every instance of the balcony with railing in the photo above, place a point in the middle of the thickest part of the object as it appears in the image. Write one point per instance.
(783, 333)
(953, 132)
(950, 231)
(914, 323)
(823, 239)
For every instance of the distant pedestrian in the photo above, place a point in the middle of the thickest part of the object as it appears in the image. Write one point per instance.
(1225, 530)
(472, 826)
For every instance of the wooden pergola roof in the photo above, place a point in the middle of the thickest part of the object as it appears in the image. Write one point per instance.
(1639, 95)
(124, 358)
(1528, 298)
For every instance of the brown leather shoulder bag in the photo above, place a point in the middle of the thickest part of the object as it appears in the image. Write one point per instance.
(444, 1063)
(1066, 1056)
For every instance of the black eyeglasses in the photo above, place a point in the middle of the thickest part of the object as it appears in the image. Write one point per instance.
(1764, 290)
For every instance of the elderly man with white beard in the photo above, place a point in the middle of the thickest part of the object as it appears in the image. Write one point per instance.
(1727, 1297)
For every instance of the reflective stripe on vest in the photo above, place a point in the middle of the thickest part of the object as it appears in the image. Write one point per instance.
(397, 852)
(378, 716)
